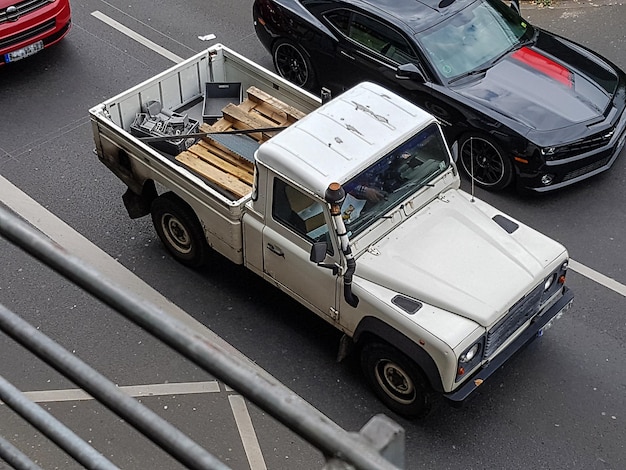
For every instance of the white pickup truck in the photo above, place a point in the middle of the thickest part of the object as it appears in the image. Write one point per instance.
(351, 207)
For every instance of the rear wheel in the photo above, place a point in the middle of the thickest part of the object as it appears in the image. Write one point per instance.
(292, 63)
(397, 381)
(179, 230)
(484, 161)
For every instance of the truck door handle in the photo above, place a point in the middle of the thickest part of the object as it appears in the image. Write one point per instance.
(275, 250)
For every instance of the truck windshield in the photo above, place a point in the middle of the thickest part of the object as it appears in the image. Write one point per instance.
(394, 178)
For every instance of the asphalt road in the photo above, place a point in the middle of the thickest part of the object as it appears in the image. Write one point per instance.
(559, 405)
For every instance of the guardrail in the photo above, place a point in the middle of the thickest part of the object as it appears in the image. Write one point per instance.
(378, 446)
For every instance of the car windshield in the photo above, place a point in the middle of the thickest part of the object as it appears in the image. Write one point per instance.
(473, 38)
(394, 178)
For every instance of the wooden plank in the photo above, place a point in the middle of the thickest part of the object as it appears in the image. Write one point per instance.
(226, 154)
(210, 158)
(251, 120)
(259, 96)
(220, 125)
(220, 178)
(243, 120)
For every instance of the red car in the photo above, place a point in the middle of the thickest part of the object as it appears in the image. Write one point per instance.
(29, 26)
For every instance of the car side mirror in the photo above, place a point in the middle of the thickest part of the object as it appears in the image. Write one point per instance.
(515, 6)
(409, 72)
(318, 252)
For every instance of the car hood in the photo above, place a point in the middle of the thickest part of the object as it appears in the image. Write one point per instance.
(452, 255)
(548, 86)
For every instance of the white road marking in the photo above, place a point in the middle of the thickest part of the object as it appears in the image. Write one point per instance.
(246, 432)
(137, 37)
(600, 278)
(151, 390)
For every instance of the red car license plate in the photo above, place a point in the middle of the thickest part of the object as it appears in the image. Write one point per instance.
(24, 52)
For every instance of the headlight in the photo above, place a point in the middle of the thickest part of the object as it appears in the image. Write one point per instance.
(469, 354)
(549, 282)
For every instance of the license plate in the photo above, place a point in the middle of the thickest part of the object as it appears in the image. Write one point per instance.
(548, 325)
(24, 52)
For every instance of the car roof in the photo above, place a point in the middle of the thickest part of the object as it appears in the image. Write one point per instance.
(415, 14)
(343, 137)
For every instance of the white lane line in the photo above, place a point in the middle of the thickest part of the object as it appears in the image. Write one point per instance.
(246, 432)
(150, 390)
(137, 37)
(600, 278)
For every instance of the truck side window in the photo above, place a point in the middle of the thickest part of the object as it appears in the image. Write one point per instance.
(298, 211)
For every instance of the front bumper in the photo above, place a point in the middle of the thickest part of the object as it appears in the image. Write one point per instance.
(566, 172)
(49, 24)
(458, 396)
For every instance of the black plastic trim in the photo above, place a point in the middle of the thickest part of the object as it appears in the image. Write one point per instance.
(373, 326)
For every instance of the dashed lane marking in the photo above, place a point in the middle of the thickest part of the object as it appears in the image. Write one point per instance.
(136, 36)
(600, 278)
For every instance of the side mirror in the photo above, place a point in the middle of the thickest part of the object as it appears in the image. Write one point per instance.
(409, 72)
(318, 252)
(515, 6)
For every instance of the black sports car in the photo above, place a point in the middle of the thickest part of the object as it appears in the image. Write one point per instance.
(517, 103)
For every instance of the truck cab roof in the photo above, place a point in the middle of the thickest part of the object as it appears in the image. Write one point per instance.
(343, 137)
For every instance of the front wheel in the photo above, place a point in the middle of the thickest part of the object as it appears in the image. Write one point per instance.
(179, 230)
(397, 381)
(292, 63)
(484, 161)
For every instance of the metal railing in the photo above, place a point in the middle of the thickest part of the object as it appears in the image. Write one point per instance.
(378, 446)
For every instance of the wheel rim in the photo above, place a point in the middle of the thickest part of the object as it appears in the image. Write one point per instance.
(482, 161)
(176, 233)
(291, 65)
(395, 382)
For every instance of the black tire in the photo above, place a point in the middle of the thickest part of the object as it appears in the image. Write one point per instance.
(179, 230)
(292, 63)
(484, 161)
(397, 381)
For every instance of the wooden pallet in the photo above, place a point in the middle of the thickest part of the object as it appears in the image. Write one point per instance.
(223, 166)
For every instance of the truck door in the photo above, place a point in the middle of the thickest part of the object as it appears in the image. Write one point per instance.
(295, 221)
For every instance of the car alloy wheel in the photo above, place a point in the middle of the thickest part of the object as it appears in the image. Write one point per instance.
(483, 161)
(293, 64)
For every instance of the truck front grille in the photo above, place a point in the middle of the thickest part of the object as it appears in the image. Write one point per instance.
(525, 308)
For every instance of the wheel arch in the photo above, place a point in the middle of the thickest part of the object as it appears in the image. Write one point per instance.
(373, 329)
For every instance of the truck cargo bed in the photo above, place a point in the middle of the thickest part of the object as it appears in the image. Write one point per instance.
(226, 159)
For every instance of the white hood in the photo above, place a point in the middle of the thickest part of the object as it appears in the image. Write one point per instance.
(454, 256)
